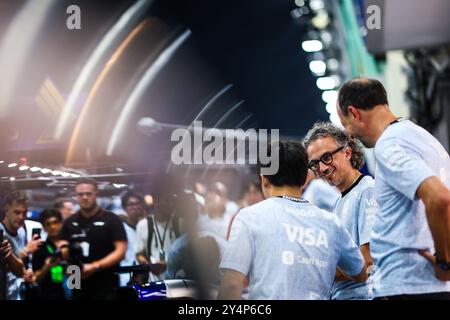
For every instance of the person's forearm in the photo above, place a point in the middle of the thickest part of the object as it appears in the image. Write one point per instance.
(40, 274)
(340, 276)
(141, 258)
(111, 259)
(438, 215)
(229, 292)
(23, 253)
(15, 265)
(436, 197)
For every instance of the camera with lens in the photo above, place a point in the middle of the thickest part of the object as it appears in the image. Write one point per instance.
(75, 254)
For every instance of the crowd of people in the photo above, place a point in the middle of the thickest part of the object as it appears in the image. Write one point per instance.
(36, 254)
(356, 238)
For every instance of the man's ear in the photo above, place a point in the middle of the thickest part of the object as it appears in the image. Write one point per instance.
(264, 181)
(348, 152)
(354, 112)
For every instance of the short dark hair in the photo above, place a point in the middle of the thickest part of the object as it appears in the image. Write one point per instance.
(293, 162)
(131, 194)
(16, 196)
(50, 213)
(87, 181)
(59, 202)
(361, 93)
(327, 129)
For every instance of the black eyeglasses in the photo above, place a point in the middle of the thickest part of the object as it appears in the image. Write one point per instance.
(326, 158)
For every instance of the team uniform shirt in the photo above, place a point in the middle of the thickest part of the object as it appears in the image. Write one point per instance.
(356, 208)
(321, 194)
(168, 236)
(130, 256)
(96, 237)
(290, 250)
(17, 242)
(405, 155)
(217, 225)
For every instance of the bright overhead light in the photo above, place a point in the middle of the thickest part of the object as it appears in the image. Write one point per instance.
(312, 45)
(318, 67)
(119, 169)
(119, 185)
(56, 172)
(1, 161)
(316, 5)
(326, 83)
(330, 95)
(300, 3)
(333, 64)
(23, 168)
(73, 175)
(34, 169)
(12, 178)
(334, 118)
(331, 107)
(45, 170)
(65, 174)
(11, 165)
(321, 20)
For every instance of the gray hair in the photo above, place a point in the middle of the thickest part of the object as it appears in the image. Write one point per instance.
(322, 130)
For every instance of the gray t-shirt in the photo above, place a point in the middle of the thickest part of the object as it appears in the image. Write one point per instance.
(356, 209)
(290, 250)
(405, 155)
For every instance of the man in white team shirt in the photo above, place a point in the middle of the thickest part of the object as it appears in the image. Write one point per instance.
(336, 158)
(287, 247)
(412, 182)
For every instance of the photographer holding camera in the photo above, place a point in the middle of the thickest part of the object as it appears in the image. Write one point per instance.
(47, 259)
(99, 237)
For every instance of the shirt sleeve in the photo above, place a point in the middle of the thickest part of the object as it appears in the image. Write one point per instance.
(141, 236)
(402, 167)
(239, 252)
(350, 260)
(368, 207)
(117, 229)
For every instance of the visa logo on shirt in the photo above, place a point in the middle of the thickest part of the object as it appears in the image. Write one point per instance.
(306, 236)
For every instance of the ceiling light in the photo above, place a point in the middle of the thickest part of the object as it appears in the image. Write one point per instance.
(330, 95)
(318, 67)
(326, 83)
(312, 45)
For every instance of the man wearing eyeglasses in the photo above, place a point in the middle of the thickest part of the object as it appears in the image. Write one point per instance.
(336, 158)
(412, 186)
(134, 206)
(287, 247)
(103, 242)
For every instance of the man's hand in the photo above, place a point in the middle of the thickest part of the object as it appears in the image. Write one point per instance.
(89, 269)
(34, 244)
(159, 267)
(29, 276)
(5, 249)
(51, 262)
(440, 274)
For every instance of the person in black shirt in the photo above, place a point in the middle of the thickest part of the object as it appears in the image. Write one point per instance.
(46, 263)
(103, 242)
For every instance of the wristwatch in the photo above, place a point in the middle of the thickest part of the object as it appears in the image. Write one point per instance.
(443, 265)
